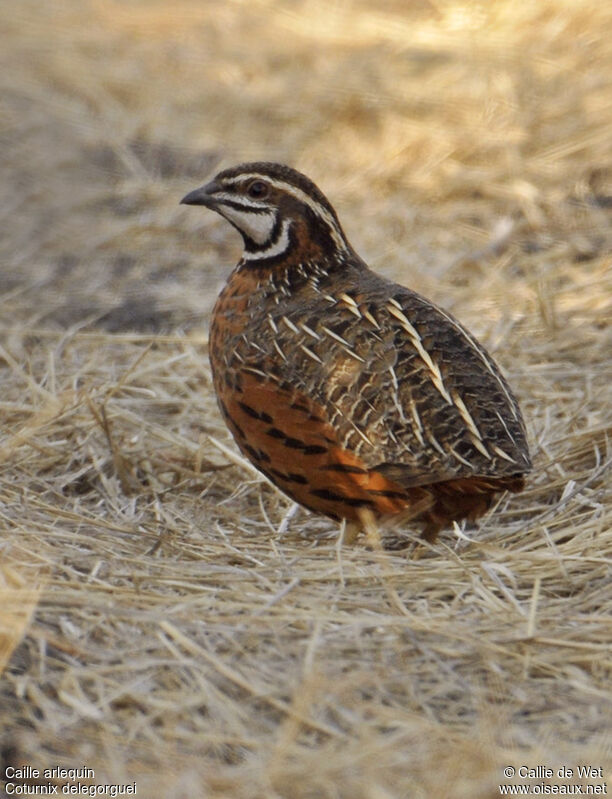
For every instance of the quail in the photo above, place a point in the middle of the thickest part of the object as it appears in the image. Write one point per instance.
(354, 395)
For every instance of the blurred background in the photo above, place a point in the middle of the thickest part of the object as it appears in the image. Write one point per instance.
(154, 624)
(461, 142)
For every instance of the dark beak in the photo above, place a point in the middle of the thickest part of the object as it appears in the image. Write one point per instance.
(205, 195)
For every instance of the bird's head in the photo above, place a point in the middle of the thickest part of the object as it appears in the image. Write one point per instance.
(276, 209)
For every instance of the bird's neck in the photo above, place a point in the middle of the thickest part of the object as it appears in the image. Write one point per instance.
(298, 249)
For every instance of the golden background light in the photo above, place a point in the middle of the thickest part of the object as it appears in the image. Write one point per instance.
(154, 624)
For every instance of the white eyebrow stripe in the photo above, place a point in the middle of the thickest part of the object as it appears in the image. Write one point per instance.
(315, 206)
(231, 199)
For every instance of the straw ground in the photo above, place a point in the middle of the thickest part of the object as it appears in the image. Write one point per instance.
(166, 617)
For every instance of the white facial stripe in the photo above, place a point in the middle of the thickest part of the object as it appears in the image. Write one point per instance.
(276, 248)
(247, 202)
(257, 227)
(300, 195)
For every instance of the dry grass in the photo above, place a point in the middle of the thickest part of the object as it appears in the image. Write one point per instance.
(163, 616)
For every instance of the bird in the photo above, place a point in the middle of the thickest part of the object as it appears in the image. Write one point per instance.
(357, 397)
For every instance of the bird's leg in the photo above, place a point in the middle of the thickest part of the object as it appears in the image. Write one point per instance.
(370, 528)
(350, 532)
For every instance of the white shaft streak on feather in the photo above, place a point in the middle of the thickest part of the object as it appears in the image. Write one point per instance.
(272, 324)
(355, 429)
(354, 310)
(466, 416)
(303, 197)
(371, 319)
(309, 331)
(335, 336)
(462, 460)
(503, 454)
(476, 435)
(395, 395)
(434, 369)
(289, 324)
(418, 427)
(480, 447)
(484, 358)
(276, 346)
(310, 353)
(353, 355)
(350, 304)
(277, 247)
(347, 299)
(345, 344)
(253, 344)
(505, 426)
(436, 444)
(258, 373)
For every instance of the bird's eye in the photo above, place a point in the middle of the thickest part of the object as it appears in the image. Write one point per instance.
(257, 189)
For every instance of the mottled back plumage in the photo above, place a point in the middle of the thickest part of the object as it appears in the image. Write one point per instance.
(348, 391)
